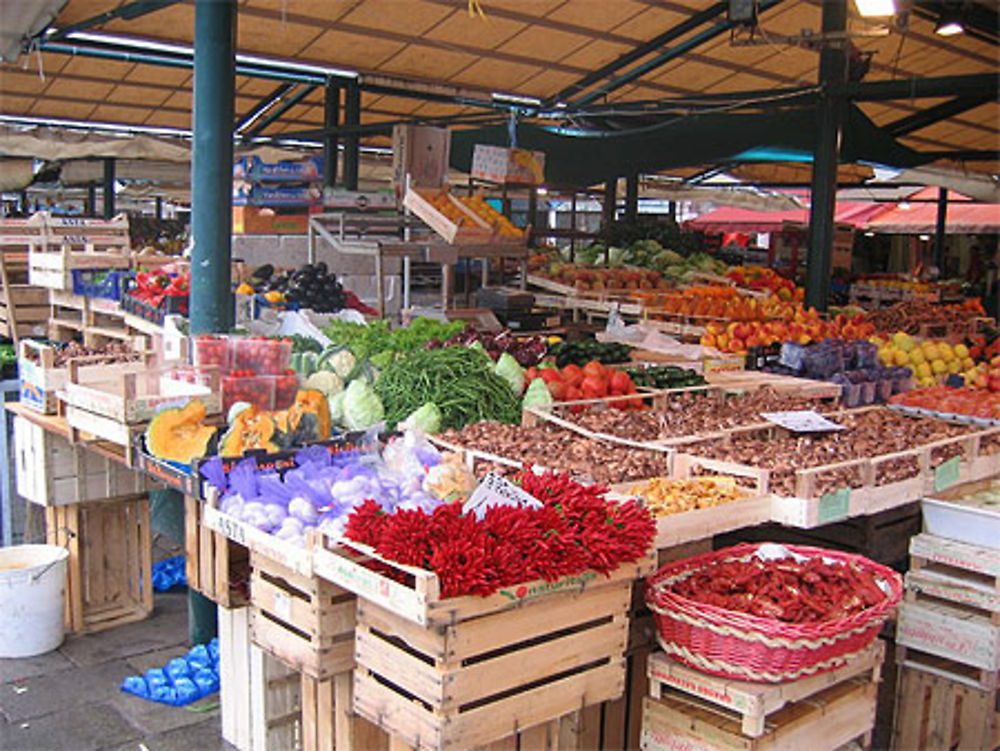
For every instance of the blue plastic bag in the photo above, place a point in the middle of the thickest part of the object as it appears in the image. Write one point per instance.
(182, 680)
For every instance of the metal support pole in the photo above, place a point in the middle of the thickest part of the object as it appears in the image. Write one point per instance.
(942, 218)
(331, 143)
(22, 202)
(532, 216)
(159, 208)
(91, 199)
(352, 141)
(632, 196)
(608, 214)
(109, 188)
(830, 115)
(211, 199)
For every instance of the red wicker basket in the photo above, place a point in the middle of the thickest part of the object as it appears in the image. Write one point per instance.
(748, 647)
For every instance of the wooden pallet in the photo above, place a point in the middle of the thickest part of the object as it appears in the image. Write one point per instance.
(51, 471)
(753, 702)
(303, 620)
(936, 714)
(215, 565)
(825, 721)
(110, 560)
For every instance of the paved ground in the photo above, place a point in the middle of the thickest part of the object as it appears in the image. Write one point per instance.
(68, 700)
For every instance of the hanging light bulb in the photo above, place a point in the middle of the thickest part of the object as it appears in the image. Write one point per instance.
(875, 8)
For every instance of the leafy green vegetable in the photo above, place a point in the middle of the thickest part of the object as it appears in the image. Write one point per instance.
(426, 419)
(375, 338)
(459, 380)
(508, 369)
(538, 394)
(362, 407)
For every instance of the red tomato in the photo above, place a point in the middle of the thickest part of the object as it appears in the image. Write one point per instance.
(594, 388)
(593, 368)
(620, 382)
(557, 389)
(531, 374)
(573, 394)
(550, 375)
(573, 374)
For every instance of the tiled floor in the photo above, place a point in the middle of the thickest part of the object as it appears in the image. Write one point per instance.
(68, 700)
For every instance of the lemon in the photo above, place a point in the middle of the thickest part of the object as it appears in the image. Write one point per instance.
(938, 366)
(945, 352)
(885, 356)
(967, 362)
(900, 357)
(917, 356)
(954, 366)
(923, 370)
(902, 341)
(925, 382)
(961, 351)
(931, 351)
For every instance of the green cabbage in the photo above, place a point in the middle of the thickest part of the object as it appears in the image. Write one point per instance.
(509, 369)
(427, 419)
(362, 407)
(337, 407)
(537, 395)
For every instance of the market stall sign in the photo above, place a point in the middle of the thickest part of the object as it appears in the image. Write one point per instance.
(946, 473)
(834, 506)
(802, 421)
(494, 490)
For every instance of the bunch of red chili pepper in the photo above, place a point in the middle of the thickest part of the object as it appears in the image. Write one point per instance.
(153, 286)
(575, 529)
(785, 589)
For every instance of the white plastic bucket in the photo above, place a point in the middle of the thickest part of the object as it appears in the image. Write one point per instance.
(32, 588)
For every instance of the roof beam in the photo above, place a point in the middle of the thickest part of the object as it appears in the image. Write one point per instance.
(665, 57)
(125, 12)
(966, 155)
(277, 112)
(262, 106)
(985, 84)
(639, 52)
(937, 113)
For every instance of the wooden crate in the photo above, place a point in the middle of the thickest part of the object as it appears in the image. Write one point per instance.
(41, 379)
(51, 471)
(110, 560)
(215, 565)
(305, 621)
(68, 243)
(936, 714)
(93, 321)
(753, 702)
(825, 721)
(463, 679)
(474, 231)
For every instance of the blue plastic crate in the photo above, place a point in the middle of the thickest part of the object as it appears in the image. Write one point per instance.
(104, 284)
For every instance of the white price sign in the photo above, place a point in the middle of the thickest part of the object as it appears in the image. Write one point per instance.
(802, 421)
(496, 491)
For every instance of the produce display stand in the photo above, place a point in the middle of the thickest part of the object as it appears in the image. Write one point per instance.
(381, 237)
(214, 565)
(948, 647)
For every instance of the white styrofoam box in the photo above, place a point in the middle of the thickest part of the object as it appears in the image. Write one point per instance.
(957, 521)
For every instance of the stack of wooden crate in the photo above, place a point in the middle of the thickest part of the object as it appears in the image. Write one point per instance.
(99, 511)
(948, 647)
(24, 309)
(68, 243)
(690, 709)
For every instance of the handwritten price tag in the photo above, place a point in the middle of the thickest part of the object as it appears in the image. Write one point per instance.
(946, 473)
(802, 421)
(834, 506)
(496, 491)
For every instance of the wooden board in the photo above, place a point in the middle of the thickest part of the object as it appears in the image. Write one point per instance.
(754, 702)
(50, 471)
(305, 621)
(110, 561)
(935, 713)
(214, 565)
(479, 680)
(950, 631)
(824, 722)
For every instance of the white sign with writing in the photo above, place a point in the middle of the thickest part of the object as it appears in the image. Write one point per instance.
(496, 491)
(802, 421)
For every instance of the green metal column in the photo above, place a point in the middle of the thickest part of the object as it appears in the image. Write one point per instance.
(829, 126)
(632, 196)
(331, 142)
(91, 199)
(939, 229)
(211, 217)
(109, 188)
(352, 141)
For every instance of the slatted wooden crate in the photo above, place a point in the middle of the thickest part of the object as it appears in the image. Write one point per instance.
(467, 671)
(755, 703)
(949, 624)
(92, 320)
(110, 560)
(827, 720)
(68, 243)
(933, 712)
(305, 621)
(215, 565)
(51, 471)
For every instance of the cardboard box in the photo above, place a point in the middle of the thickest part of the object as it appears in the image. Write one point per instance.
(253, 220)
(422, 152)
(508, 165)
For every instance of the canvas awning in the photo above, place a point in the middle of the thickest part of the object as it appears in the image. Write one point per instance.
(729, 219)
(962, 218)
